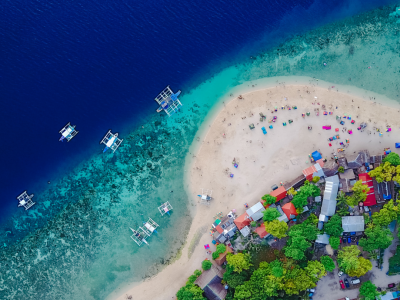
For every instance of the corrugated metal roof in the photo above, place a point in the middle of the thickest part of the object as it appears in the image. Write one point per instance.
(322, 239)
(353, 223)
(256, 211)
(331, 190)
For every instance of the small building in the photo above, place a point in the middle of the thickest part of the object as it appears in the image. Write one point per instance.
(255, 212)
(342, 161)
(367, 180)
(331, 190)
(315, 170)
(283, 216)
(330, 168)
(322, 239)
(222, 256)
(289, 210)
(347, 174)
(210, 282)
(353, 223)
(389, 296)
(354, 161)
(295, 183)
(225, 229)
(261, 231)
(279, 193)
(245, 231)
(242, 221)
(345, 185)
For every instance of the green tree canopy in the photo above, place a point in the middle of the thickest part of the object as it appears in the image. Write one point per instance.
(234, 279)
(334, 242)
(190, 292)
(342, 208)
(334, 226)
(341, 169)
(392, 158)
(206, 265)
(316, 179)
(307, 230)
(377, 238)
(385, 172)
(368, 291)
(315, 269)
(312, 219)
(360, 191)
(276, 228)
(269, 199)
(351, 263)
(297, 280)
(277, 268)
(328, 263)
(299, 200)
(296, 247)
(239, 261)
(386, 215)
(270, 214)
(307, 190)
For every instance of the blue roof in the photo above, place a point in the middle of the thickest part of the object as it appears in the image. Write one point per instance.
(316, 155)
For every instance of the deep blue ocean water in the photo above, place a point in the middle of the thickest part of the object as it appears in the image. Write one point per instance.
(99, 65)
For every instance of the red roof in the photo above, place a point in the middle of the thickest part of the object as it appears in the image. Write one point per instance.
(261, 231)
(242, 221)
(321, 162)
(309, 172)
(219, 229)
(366, 179)
(279, 193)
(289, 209)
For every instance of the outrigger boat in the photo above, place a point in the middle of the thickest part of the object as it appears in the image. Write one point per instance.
(168, 101)
(165, 208)
(150, 227)
(111, 141)
(68, 132)
(25, 200)
(139, 237)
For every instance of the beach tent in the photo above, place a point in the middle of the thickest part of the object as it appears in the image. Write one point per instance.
(316, 155)
(289, 210)
(397, 145)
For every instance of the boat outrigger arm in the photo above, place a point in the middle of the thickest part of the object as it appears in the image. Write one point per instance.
(110, 142)
(168, 101)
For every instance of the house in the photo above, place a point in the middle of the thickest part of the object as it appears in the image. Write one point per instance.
(315, 170)
(279, 193)
(222, 256)
(330, 168)
(283, 216)
(354, 161)
(260, 230)
(347, 174)
(242, 221)
(289, 210)
(322, 239)
(389, 296)
(342, 161)
(255, 212)
(210, 282)
(245, 231)
(329, 200)
(367, 180)
(225, 229)
(345, 185)
(295, 183)
(353, 223)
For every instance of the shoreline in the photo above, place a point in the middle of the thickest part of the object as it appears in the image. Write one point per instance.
(173, 276)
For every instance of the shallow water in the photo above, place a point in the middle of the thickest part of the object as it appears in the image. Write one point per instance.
(81, 247)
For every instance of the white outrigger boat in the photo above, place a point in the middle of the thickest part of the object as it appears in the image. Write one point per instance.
(165, 208)
(25, 200)
(168, 101)
(150, 227)
(111, 141)
(68, 132)
(139, 236)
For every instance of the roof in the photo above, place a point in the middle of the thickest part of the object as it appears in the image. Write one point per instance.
(289, 210)
(366, 179)
(209, 276)
(222, 256)
(353, 223)
(342, 161)
(215, 291)
(321, 162)
(261, 231)
(255, 212)
(319, 172)
(219, 229)
(346, 186)
(279, 193)
(245, 231)
(330, 168)
(355, 161)
(295, 183)
(309, 171)
(331, 190)
(347, 174)
(322, 239)
(242, 221)
(283, 216)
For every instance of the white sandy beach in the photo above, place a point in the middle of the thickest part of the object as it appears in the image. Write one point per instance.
(264, 160)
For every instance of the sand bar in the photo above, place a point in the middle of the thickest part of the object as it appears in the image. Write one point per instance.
(264, 160)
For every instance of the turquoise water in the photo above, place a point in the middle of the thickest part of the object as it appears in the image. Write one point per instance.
(81, 248)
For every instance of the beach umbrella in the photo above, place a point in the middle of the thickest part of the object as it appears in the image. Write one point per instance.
(207, 246)
(388, 129)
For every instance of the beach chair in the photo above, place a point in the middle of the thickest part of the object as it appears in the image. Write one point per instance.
(303, 115)
(341, 122)
(308, 114)
(251, 126)
(263, 130)
(270, 126)
(347, 141)
(294, 107)
(352, 121)
(325, 113)
(290, 121)
(350, 131)
(284, 123)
